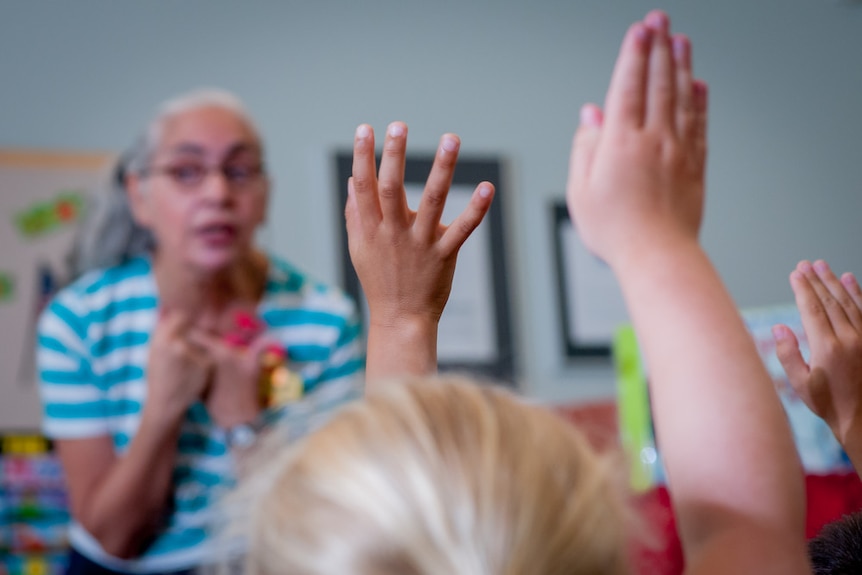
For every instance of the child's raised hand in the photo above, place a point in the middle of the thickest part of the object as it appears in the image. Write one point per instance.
(831, 382)
(636, 175)
(405, 259)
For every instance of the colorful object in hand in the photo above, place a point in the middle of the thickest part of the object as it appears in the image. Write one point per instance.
(278, 384)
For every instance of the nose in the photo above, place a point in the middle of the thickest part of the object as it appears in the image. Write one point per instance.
(215, 187)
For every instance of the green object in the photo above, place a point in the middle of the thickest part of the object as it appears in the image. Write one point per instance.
(633, 409)
(44, 217)
(7, 287)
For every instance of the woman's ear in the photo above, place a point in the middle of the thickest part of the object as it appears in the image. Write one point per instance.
(138, 203)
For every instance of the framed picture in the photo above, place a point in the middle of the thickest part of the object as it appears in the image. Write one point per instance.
(590, 301)
(475, 331)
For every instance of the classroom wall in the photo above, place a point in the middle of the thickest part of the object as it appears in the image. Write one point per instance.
(508, 76)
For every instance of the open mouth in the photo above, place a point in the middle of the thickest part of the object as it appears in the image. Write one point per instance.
(217, 234)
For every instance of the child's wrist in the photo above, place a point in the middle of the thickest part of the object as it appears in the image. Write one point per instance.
(653, 251)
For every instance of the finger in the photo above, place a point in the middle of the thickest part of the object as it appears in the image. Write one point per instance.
(699, 131)
(661, 90)
(390, 182)
(206, 343)
(626, 98)
(685, 108)
(835, 314)
(265, 342)
(437, 187)
(351, 212)
(464, 225)
(365, 177)
(184, 347)
(173, 322)
(852, 287)
(815, 321)
(840, 293)
(790, 356)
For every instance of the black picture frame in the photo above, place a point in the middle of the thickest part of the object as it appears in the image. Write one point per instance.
(575, 346)
(468, 172)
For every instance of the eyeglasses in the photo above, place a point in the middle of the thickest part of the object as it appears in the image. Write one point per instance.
(192, 175)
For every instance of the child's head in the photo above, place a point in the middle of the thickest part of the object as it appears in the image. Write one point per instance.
(837, 549)
(432, 476)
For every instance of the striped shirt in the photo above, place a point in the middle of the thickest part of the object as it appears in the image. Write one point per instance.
(92, 353)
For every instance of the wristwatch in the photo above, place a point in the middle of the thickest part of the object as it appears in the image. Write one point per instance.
(241, 436)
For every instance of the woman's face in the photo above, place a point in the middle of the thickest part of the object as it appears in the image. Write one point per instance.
(204, 192)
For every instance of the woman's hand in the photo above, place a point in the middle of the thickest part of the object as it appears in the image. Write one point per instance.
(233, 396)
(405, 259)
(177, 370)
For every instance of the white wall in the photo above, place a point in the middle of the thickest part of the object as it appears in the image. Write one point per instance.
(508, 76)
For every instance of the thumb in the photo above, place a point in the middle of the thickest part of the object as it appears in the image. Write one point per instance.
(787, 350)
(351, 213)
(584, 146)
(206, 342)
(586, 140)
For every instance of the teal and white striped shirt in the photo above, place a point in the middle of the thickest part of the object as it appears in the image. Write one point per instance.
(92, 354)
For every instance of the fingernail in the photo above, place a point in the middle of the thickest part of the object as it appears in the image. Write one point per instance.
(849, 280)
(656, 21)
(396, 129)
(820, 266)
(642, 33)
(589, 117)
(450, 144)
(484, 191)
(779, 333)
(805, 266)
(795, 276)
(363, 131)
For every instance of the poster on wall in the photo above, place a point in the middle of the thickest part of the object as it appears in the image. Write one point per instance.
(42, 199)
(590, 298)
(474, 334)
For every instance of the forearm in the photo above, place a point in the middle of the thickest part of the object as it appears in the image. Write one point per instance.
(711, 395)
(401, 348)
(127, 505)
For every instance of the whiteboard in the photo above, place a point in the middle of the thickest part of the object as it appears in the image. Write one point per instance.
(42, 196)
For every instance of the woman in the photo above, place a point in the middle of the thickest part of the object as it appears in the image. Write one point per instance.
(150, 362)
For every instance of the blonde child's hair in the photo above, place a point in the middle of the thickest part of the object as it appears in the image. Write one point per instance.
(434, 476)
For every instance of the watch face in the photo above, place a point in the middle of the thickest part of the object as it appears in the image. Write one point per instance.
(241, 436)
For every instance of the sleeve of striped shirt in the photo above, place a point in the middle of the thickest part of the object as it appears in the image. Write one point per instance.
(342, 377)
(73, 405)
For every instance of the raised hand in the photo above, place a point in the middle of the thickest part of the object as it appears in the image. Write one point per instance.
(405, 259)
(635, 192)
(637, 169)
(830, 383)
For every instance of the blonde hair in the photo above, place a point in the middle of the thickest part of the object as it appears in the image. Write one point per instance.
(429, 477)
